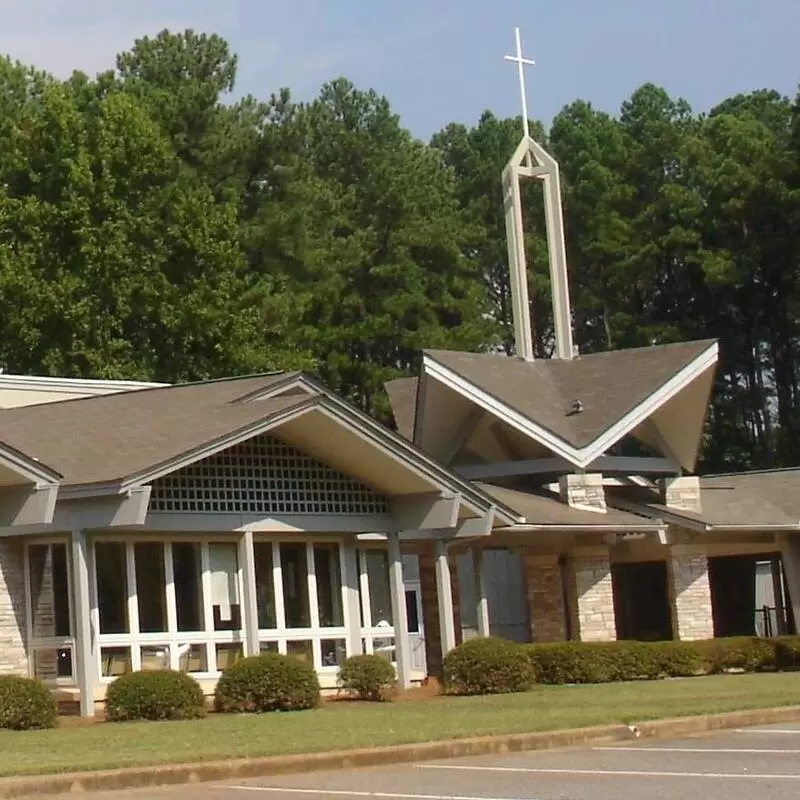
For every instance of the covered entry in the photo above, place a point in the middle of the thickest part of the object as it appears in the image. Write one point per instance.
(641, 601)
(748, 595)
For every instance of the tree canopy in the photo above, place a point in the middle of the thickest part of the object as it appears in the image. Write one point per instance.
(152, 228)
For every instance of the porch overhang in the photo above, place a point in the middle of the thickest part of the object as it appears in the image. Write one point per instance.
(27, 505)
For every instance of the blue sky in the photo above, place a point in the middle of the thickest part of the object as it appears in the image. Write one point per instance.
(442, 60)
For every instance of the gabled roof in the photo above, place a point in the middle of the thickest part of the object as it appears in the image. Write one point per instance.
(111, 437)
(403, 401)
(124, 439)
(17, 468)
(747, 500)
(544, 510)
(616, 390)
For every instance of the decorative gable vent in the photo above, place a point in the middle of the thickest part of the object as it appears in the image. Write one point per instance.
(263, 476)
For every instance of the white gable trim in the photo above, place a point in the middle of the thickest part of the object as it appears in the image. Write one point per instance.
(85, 386)
(579, 457)
(28, 468)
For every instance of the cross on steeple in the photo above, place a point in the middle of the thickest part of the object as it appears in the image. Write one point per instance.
(521, 62)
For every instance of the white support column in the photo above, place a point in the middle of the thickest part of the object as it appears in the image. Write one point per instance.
(84, 634)
(481, 598)
(398, 594)
(444, 592)
(790, 551)
(247, 561)
(352, 606)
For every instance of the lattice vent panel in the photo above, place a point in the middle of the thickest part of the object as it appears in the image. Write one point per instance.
(263, 476)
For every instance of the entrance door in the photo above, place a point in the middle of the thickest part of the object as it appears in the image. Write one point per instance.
(416, 633)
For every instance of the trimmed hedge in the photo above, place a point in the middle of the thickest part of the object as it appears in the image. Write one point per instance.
(267, 682)
(488, 666)
(369, 677)
(154, 695)
(26, 704)
(603, 662)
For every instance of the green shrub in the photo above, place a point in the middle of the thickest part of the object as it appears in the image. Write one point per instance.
(747, 653)
(267, 682)
(154, 695)
(488, 666)
(570, 662)
(681, 659)
(26, 704)
(787, 652)
(370, 677)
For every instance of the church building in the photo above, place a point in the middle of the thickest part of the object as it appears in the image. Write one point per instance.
(152, 526)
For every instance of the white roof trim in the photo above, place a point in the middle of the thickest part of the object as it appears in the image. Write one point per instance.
(88, 386)
(27, 467)
(583, 456)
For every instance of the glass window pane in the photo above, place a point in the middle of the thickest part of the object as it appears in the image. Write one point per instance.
(379, 596)
(49, 587)
(224, 565)
(151, 587)
(412, 611)
(193, 658)
(268, 647)
(50, 663)
(187, 570)
(265, 589)
(295, 585)
(329, 585)
(228, 655)
(334, 652)
(301, 650)
(155, 658)
(112, 586)
(115, 661)
(63, 624)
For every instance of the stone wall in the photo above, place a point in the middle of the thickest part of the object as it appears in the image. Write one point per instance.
(13, 655)
(592, 597)
(545, 596)
(583, 491)
(682, 493)
(690, 594)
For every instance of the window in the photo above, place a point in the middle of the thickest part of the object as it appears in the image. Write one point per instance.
(151, 586)
(225, 606)
(295, 585)
(329, 585)
(188, 575)
(265, 588)
(380, 602)
(112, 586)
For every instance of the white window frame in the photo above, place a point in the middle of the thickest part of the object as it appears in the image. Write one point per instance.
(281, 635)
(48, 642)
(172, 640)
(369, 632)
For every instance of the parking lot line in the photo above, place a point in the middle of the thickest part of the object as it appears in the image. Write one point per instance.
(743, 750)
(618, 773)
(779, 731)
(353, 793)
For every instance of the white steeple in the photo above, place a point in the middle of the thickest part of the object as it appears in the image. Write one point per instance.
(532, 161)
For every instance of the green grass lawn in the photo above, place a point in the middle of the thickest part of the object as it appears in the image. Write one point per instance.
(352, 725)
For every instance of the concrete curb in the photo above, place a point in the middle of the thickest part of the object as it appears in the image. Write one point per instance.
(141, 777)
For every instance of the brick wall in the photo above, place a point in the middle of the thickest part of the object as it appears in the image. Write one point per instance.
(545, 596)
(430, 607)
(13, 656)
(592, 595)
(690, 594)
(583, 491)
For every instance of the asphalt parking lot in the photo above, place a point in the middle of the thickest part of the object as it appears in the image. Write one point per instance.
(763, 763)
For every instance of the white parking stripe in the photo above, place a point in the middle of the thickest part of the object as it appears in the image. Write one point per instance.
(750, 750)
(620, 773)
(385, 795)
(783, 732)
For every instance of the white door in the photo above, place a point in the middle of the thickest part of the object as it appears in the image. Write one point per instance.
(416, 633)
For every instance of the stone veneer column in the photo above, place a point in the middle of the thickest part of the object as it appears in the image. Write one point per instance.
(13, 654)
(690, 594)
(544, 590)
(592, 595)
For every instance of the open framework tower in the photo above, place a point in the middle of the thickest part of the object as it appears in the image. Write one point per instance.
(532, 162)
